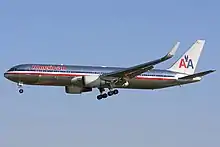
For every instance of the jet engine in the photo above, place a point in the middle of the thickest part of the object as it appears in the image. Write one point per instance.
(76, 89)
(93, 81)
(77, 81)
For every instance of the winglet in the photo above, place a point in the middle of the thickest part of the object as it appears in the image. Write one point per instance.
(173, 50)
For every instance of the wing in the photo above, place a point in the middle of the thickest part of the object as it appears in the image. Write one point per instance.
(132, 72)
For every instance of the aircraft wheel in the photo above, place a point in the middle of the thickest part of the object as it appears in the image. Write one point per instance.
(104, 95)
(115, 91)
(110, 93)
(21, 90)
(99, 97)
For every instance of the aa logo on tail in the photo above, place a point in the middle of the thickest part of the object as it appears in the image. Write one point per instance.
(186, 62)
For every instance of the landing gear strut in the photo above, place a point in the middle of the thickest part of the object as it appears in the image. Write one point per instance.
(105, 95)
(102, 94)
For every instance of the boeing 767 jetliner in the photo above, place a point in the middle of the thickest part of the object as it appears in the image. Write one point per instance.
(79, 79)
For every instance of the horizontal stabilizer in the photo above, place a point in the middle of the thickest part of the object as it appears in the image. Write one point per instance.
(200, 74)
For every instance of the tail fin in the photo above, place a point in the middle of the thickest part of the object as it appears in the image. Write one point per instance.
(188, 62)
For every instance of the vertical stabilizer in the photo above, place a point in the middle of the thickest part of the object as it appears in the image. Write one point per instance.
(188, 62)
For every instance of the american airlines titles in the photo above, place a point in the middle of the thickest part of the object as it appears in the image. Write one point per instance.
(50, 67)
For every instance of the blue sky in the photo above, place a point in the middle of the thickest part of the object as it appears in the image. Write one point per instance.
(111, 33)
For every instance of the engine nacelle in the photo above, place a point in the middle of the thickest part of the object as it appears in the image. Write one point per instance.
(93, 81)
(76, 89)
(77, 81)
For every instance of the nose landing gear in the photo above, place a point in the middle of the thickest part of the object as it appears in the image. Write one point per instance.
(20, 85)
(21, 90)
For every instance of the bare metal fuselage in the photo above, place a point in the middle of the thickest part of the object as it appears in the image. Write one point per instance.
(26, 74)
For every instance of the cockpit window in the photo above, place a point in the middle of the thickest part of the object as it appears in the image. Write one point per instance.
(12, 69)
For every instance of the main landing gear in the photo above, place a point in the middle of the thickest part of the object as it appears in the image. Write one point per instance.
(105, 95)
(20, 88)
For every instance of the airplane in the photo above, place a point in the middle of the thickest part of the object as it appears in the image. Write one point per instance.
(80, 79)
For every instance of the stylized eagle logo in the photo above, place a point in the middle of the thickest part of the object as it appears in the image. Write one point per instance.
(186, 62)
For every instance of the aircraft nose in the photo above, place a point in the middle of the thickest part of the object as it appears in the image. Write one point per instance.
(6, 75)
